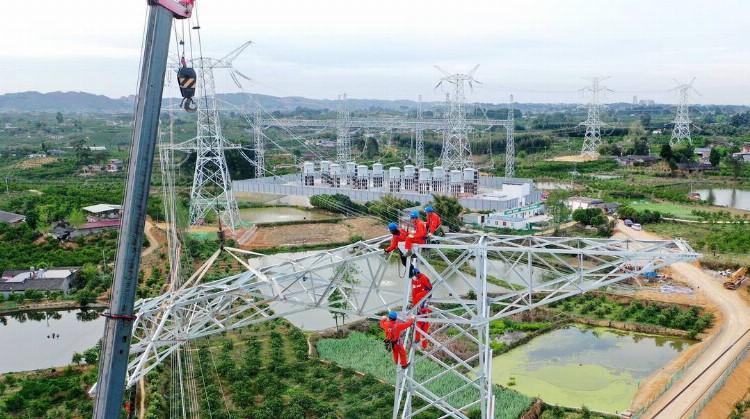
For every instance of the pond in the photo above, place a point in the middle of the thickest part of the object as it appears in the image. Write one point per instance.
(601, 368)
(26, 341)
(732, 198)
(280, 214)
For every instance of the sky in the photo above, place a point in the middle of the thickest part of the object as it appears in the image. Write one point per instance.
(537, 50)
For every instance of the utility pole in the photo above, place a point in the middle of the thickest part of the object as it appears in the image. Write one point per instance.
(7, 184)
(510, 144)
(681, 130)
(593, 123)
(119, 320)
(456, 153)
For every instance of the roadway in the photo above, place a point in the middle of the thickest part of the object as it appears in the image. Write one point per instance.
(681, 399)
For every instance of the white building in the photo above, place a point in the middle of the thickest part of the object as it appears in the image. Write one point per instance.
(579, 202)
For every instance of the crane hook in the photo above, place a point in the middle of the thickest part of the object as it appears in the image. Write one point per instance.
(189, 105)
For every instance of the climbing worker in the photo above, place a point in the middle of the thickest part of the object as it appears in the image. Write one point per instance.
(419, 236)
(393, 329)
(422, 326)
(433, 219)
(399, 235)
(420, 286)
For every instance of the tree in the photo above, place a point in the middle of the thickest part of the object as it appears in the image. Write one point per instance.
(735, 163)
(449, 210)
(337, 300)
(77, 358)
(714, 158)
(59, 117)
(76, 218)
(645, 120)
(666, 152)
(388, 208)
(91, 355)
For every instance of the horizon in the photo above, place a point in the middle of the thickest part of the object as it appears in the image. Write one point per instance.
(538, 50)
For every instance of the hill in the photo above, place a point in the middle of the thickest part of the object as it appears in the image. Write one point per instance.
(68, 102)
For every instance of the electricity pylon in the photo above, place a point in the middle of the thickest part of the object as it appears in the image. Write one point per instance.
(510, 143)
(419, 134)
(456, 153)
(536, 271)
(212, 186)
(681, 130)
(593, 122)
(343, 139)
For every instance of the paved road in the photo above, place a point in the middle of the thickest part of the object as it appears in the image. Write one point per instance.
(681, 399)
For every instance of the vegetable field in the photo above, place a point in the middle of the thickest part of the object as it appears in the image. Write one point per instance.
(366, 354)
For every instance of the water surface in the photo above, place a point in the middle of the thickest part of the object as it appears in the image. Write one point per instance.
(280, 214)
(732, 198)
(26, 341)
(601, 368)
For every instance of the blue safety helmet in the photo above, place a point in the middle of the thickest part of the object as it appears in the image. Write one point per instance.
(392, 227)
(414, 270)
(414, 214)
(429, 209)
(393, 315)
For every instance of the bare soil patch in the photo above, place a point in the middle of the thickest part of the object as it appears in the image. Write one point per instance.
(315, 234)
(32, 163)
(573, 159)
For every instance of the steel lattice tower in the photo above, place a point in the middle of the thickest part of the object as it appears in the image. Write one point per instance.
(212, 186)
(419, 134)
(681, 130)
(456, 153)
(462, 300)
(593, 122)
(510, 144)
(260, 152)
(343, 141)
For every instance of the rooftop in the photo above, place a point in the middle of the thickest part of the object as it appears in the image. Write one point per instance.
(99, 208)
(100, 224)
(585, 200)
(10, 218)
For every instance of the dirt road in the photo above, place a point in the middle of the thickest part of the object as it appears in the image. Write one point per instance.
(684, 395)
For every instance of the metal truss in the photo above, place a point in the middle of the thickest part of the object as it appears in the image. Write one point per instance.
(476, 279)
(343, 139)
(419, 136)
(510, 144)
(593, 137)
(456, 154)
(212, 187)
(681, 129)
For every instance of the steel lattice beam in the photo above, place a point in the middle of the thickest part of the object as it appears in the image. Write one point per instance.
(476, 278)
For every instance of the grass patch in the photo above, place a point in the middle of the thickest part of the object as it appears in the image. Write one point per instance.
(721, 244)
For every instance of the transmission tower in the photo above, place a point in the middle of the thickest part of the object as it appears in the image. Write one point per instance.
(681, 130)
(462, 301)
(593, 123)
(419, 155)
(456, 149)
(343, 140)
(260, 157)
(212, 186)
(510, 143)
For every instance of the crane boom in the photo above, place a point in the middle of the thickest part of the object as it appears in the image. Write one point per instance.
(119, 320)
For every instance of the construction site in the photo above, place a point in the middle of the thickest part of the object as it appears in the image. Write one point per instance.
(227, 316)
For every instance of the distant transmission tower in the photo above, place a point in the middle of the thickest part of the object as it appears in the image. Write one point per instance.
(593, 122)
(510, 143)
(343, 141)
(260, 157)
(681, 130)
(419, 155)
(456, 149)
(212, 187)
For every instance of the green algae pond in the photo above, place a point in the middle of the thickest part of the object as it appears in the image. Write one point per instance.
(581, 365)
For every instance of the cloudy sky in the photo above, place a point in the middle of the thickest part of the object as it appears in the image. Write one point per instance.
(539, 50)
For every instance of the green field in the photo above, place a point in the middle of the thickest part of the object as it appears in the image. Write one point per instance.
(719, 243)
(668, 210)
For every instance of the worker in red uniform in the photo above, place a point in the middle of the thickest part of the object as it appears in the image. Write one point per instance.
(419, 236)
(399, 236)
(420, 286)
(422, 326)
(393, 329)
(433, 219)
